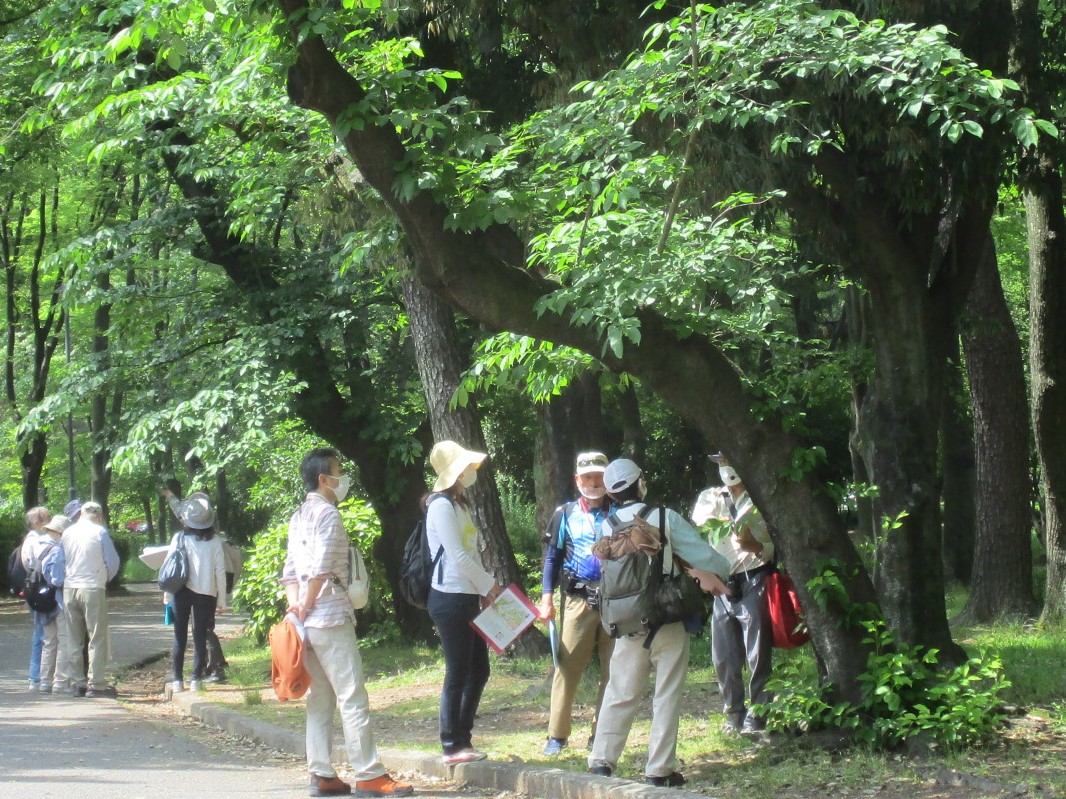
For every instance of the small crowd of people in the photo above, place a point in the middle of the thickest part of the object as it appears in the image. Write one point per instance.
(70, 644)
(729, 560)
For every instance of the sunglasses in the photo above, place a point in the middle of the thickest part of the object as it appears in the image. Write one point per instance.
(585, 462)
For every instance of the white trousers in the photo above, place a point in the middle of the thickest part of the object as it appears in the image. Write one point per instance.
(631, 665)
(331, 655)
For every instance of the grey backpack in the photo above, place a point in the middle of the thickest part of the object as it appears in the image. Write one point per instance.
(631, 569)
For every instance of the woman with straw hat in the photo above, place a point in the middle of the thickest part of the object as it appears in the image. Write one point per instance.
(459, 589)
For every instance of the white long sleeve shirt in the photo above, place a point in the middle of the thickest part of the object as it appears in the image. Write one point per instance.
(449, 525)
(207, 566)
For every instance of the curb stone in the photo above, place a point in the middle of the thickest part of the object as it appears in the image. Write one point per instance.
(515, 777)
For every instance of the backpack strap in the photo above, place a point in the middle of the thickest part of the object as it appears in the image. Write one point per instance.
(438, 559)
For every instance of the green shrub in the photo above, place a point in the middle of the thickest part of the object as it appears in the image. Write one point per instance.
(260, 594)
(520, 519)
(906, 694)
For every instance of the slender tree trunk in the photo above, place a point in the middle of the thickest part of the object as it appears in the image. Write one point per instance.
(957, 457)
(632, 427)
(1003, 566)
(553, 458)
(569, 423)
(100, 474)
(1040, 173)
(440, 365)
(856, 308)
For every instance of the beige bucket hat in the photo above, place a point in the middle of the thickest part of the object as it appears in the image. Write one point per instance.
(448, 460)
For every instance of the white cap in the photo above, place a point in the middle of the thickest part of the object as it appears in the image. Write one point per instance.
(620, 474)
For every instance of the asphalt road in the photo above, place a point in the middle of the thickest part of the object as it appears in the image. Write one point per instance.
(67, 748)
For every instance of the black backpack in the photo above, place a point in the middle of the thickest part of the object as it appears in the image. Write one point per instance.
(16, 572)
(40, 594)
(416, 568)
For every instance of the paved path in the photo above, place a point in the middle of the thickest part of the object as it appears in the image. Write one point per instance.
(62, 747)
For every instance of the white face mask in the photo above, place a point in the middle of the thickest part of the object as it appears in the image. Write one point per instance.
(642, 488)
(468, 477)
(593, 493)
(729, 475)
(344, 482)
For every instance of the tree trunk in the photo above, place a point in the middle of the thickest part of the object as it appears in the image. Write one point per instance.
(855, 312)
(100, 472)
(570, 423)
(393, 485)
(440, 365)
(553, 457)
(632, 427)
(1047, 369)
(957, 457)
(43, 326)
(484, 274)
(1003, 566)
(1040, 176)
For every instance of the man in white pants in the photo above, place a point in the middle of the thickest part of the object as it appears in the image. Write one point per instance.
(315, 577)
(665, 647)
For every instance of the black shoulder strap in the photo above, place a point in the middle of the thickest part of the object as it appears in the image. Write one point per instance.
(438, 559)
(732, 504)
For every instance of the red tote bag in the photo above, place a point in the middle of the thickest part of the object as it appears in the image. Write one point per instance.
(786, 614)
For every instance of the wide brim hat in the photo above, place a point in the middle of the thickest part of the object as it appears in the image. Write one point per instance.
(588, 462)
(58, 523)
(449, 459)
(196, 512)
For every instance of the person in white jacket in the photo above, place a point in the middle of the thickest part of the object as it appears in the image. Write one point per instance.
(459, 589)
(205, 592)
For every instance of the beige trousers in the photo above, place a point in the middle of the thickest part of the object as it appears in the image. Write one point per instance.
(580, 633)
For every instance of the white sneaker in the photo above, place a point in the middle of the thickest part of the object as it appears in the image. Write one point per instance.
(196, 685)
(45, 688)
(177, 687)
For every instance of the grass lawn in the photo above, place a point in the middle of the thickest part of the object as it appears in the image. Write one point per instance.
(404, 686)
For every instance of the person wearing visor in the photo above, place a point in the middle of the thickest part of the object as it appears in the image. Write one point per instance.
(314, 576)
(569, 564)
(740, 622)
(460, 588)
(665, 648)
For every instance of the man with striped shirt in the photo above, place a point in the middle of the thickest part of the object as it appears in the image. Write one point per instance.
(315, 577)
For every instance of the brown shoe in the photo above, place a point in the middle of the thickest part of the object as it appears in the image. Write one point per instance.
(383, 786)
(329, 786)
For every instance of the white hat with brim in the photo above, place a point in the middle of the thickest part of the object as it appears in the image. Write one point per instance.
(58, 524)
(449, 459)
(196, 512)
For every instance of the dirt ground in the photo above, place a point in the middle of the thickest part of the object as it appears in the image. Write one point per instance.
(1030, 756)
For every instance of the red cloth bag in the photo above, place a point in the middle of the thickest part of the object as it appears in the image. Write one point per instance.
(786, 614)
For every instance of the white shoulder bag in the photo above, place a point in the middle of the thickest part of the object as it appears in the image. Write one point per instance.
(358, 580)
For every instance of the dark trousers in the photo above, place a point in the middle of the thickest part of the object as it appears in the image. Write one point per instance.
(201, 607)
(466, 666)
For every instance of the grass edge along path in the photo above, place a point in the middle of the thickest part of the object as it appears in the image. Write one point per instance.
(403, 682)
